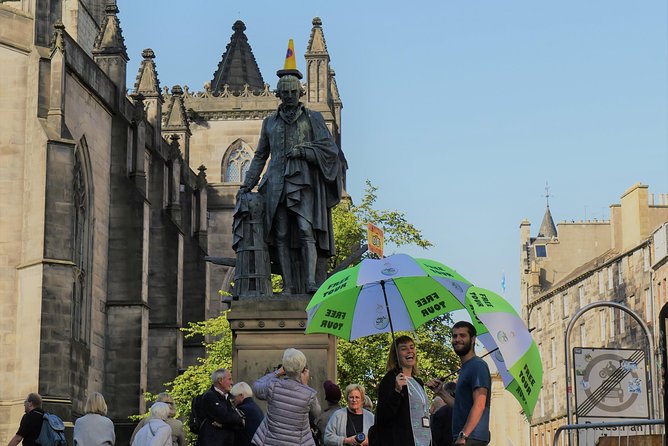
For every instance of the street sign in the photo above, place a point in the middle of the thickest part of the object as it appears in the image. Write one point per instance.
(610, 385)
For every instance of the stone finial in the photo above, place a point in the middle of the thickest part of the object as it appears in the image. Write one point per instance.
(148, 53)
(177, 90)
(58, 40)
(201, 176)
(317, 21)
(239, 26)
(147, 81)
(111, 8)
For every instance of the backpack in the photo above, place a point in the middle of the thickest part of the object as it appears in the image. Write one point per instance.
(52, 432)
(196, 417)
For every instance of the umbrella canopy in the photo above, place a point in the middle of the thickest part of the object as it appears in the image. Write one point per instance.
(514, 352)
(400, 293)
(352, 303)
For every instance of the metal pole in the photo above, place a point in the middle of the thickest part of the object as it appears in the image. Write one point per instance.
(567, 347)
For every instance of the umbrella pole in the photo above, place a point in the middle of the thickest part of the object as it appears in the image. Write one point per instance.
(389, 317)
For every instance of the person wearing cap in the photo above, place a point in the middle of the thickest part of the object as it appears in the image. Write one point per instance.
(302, 183)
(333, 397)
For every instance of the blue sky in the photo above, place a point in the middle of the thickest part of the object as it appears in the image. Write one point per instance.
(460, 111)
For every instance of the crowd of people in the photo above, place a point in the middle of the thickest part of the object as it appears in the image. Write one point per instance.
(404, 415)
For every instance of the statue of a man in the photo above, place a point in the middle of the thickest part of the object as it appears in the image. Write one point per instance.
(300, 186)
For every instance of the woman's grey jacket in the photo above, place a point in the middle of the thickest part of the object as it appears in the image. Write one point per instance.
(289, 405)
(335, 432)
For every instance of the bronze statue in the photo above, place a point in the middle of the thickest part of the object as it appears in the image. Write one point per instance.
(302, 183)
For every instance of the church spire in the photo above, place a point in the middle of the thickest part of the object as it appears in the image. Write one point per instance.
(547, 227)
(238, 66)
(109, 50)
(317, 66)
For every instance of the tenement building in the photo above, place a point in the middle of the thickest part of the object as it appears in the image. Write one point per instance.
(112, 195)
(575, 263)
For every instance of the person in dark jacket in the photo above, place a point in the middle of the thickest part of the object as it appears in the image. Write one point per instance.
(441, 420)
(222, 420)
(402, 413)
(31, 423)
(242, 398)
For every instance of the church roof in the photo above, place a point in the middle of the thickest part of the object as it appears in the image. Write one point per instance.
(110, 38)
(547, 227)
(238, 66)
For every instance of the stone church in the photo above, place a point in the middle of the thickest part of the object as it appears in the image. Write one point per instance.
(112, 196)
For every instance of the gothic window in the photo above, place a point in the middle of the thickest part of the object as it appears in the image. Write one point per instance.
(237, 162)
(81, 255)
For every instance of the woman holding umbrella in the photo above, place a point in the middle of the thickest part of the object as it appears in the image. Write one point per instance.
(402, 414)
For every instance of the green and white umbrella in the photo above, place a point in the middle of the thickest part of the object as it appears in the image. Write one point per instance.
(354, 302)
(503, 333)
(400, 293)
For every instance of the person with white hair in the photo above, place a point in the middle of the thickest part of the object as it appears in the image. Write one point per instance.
(156, 432)
(94, 428)
(222, 422)
(350, 425)
(290, 403)
(242, 398)
(178, 436)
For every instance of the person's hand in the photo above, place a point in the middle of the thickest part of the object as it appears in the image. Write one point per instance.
(434, 384)
(365, 442)
(460, 441)
(297, 152)
(279, 371)
(400, 382)
(350, 440)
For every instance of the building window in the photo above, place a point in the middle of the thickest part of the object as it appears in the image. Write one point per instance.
(565, 304)
(613, 313)
(581, 296)
(647, 304)
(237, 162)
(81, 248)
(553, 352)
(541, 250)
(622, 322)
(645, 259)
(620, 272)
(602, 324)
(165, 185)
(555, 400)
(601, 283)
(551, 311)
(583, 334)
(539, 319)
(610, 276)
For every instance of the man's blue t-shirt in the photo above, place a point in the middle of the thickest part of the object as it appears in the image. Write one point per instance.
(473, 374)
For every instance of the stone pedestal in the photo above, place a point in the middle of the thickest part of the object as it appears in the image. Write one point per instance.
(262, 328)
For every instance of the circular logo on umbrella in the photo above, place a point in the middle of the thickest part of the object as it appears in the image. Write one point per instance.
(389, 270)
(382, 320)
(502, 337)
(498, 356)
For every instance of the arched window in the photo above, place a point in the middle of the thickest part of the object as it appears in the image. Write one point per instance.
(81, 244)
(237, 162)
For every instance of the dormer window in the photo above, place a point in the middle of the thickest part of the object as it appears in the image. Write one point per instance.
(541, 250)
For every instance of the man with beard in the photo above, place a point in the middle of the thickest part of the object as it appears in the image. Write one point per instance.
(470, 416)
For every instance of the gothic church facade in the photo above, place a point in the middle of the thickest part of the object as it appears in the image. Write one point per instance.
(111, 201)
